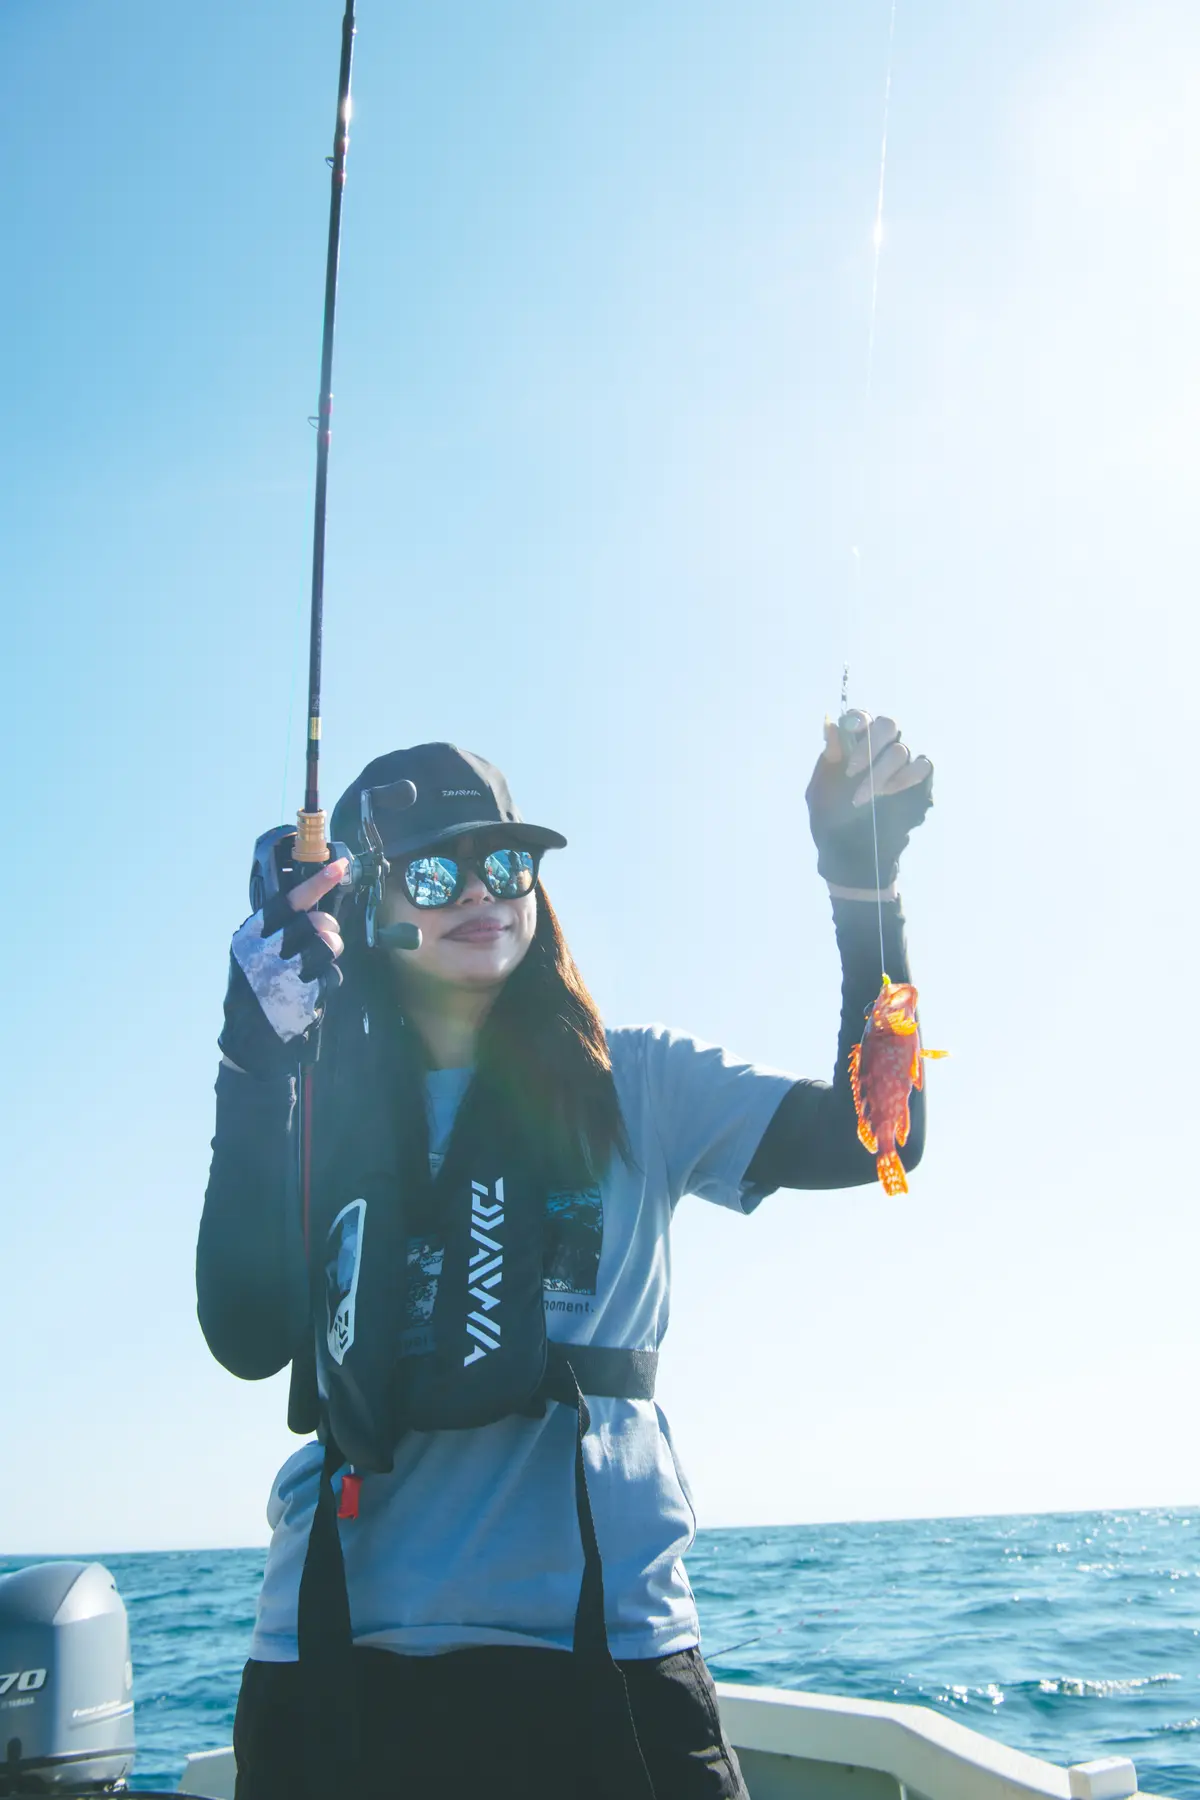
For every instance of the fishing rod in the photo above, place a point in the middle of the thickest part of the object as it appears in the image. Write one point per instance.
(312, 848)
(287, 855)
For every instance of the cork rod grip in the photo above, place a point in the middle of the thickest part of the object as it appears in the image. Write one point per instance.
(312, 846)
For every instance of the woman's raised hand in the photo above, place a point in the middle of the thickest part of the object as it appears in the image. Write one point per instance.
(306, 896)
(864, 756)
(282, 967)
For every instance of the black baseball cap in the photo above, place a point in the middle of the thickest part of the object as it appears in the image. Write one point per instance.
(456, 791)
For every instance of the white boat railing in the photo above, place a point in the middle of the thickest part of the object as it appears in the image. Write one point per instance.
(863, 1748)
(824, 1747)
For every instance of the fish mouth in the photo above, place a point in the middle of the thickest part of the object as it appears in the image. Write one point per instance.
(898, 1017)
(901, 1025)
(899, 1011)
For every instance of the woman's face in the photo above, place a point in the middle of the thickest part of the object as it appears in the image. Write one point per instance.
(476, 942)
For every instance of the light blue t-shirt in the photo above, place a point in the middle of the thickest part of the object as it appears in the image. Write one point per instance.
(473, 1538)
(444, 1093)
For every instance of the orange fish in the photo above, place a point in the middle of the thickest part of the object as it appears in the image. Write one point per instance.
(884, 1069)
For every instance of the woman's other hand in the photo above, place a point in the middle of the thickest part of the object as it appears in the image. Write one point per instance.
(283, 964)
(862, 755)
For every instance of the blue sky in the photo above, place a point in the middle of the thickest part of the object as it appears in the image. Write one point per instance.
(597, 466)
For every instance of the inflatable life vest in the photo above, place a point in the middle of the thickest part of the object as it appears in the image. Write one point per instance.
(430, 1313)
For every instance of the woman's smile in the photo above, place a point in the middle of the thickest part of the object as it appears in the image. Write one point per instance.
(483, 930)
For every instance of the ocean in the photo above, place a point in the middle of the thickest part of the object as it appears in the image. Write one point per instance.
(1070, 1635)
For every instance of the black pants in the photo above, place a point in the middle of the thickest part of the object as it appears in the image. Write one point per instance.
(488, 1724)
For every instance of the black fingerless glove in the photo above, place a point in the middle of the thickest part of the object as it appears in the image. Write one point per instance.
(843, 832)
(281, 972)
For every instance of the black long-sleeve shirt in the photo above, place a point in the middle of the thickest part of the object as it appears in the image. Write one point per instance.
(251, 1269)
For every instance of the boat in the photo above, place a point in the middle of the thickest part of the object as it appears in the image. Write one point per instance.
(67, 1710)
(801, 1746)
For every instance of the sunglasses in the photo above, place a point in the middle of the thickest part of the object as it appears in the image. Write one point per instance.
(437, 880)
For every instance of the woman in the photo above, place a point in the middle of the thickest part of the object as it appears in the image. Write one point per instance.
(474, 1318)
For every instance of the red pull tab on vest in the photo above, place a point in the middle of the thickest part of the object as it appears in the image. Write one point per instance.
(351, 1488)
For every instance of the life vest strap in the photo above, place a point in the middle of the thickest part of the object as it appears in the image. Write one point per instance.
(323, 1631)
(606, 1696)
(599, 1371)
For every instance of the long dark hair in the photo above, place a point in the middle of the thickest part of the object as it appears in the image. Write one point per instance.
(542, 1049)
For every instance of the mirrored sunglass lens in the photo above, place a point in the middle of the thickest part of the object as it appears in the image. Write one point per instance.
(431, 880)
(509, 873)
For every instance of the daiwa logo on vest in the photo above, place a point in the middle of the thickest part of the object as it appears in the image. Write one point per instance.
(485, 1269)
(343, 1258)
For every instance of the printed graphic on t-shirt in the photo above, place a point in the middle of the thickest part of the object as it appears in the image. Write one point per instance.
(425, 1256)
(574, 1240)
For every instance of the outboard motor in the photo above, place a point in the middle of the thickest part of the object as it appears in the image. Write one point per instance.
(66, 1681)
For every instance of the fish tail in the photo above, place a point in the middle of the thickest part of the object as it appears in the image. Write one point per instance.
(891, 1173)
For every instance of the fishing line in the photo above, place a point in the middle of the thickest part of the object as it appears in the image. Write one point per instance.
(829, 1648)
(877, 234)
(860, 482)
(860, 485)
(875, 845)
(730, 1648)
(854, 594)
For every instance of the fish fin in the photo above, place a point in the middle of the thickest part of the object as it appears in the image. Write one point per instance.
(855, 1078)
(918, 1070)
(866, 1135)
(902, 1129)
(891, 1173)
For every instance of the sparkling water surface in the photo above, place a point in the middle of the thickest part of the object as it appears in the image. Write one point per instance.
(1070, 1635)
